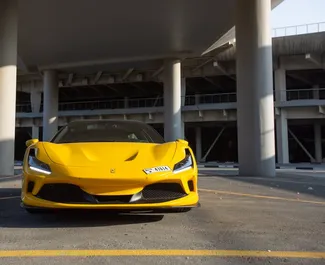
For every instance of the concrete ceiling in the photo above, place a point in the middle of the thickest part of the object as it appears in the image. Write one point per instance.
(55, 32)
(68, 34)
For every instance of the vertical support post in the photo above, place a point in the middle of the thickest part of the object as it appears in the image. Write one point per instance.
(255, 112)
(35, 98)
(318, 143)
(197, 99)
(280, 85)
(51, 104)
(183, 94)
(126, 102)
(281, 120)
(35, 132)
(183, 91)
(172, 100)
(198, 143)
(8, 77)
(316, 92)
(282, 138)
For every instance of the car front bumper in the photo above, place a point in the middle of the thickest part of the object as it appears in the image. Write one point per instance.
(165, 192)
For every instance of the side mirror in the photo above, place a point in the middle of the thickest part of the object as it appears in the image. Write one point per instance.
(31, 141)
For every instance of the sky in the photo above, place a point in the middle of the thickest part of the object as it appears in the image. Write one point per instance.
(298, 12)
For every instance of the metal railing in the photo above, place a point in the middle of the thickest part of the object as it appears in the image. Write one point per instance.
(304, 94)
(298, 29)
(288, 95)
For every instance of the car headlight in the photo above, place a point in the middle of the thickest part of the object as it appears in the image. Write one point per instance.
(38, 166)
(185, 164)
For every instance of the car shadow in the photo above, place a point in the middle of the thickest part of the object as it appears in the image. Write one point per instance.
(13, 216)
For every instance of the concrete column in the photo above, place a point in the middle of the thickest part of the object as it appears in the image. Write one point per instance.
(172, 100)
(183, 95)
(35, 99)
(316, 92)
(183, 130)
(318, 142)
(255, 112)
(280, 84)
(282, 138)
(126, 102)
(8, 73)
(35, 132)
(50, 104)
(198, 144)
(183, 91)
(197, 99)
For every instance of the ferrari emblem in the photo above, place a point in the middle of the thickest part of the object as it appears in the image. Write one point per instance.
(112, 170)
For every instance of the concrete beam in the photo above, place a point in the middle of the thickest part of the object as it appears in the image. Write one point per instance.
(223, 70)
(316, 59)
(97, 76)
(127, 74)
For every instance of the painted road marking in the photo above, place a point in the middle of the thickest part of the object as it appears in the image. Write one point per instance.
(7, 198)
(162, 252)
(260, 196)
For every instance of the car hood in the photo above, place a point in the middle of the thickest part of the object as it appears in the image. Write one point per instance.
(105, 154)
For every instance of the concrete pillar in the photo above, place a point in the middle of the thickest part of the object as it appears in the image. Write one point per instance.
(282, 138)
(183, 130)
(183, 91)
(35, 132)
(198, 144)
(126, 102)
(197, 99)
(172, 100)
(280, 84)
(35, 99)
(8, 73)
(183, 95)
(255, 112)
(50, 104)
(316, 92)
(318, 142)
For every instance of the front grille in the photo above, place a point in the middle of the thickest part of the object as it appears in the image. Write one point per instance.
(68, 193)
(162, 192)
(113, 199)
(64, 193)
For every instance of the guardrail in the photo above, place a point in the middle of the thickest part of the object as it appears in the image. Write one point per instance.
(289, 95)
(298, 29)
(305, 94)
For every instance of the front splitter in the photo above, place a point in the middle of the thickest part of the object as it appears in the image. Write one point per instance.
(170, 209)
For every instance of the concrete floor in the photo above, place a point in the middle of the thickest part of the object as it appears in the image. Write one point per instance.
(284, 217)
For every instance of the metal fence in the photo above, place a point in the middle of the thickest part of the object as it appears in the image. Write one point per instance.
(297, 94)
(298, 29)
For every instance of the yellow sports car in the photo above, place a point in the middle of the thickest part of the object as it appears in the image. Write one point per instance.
(109, 164)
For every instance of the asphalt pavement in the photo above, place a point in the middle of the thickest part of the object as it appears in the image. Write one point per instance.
(242, 220)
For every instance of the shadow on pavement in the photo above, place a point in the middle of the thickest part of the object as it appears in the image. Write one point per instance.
(10, 178)
(288, 182)
(13, 216)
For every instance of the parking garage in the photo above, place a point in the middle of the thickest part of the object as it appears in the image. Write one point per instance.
(247, 216)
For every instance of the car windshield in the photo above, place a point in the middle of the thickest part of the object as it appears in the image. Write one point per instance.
(107, 131)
